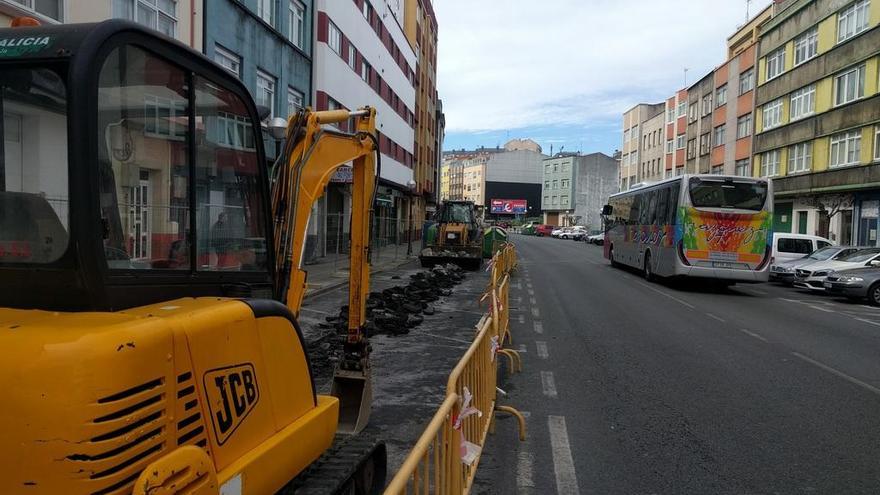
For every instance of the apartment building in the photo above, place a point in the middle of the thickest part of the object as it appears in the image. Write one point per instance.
(651, 146)
(698, 132)
(676, 109)
(633, 168)
(576, 186)
(817, 118)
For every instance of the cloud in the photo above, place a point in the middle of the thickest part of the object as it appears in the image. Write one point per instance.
(509, 64)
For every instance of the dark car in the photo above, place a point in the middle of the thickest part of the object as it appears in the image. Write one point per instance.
(860, 283)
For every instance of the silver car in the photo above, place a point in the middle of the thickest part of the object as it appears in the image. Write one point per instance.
(860, 283)
(784, 272)
(812, 276)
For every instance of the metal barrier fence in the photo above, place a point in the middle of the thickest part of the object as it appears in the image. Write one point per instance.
(389, 239)
(445, 458)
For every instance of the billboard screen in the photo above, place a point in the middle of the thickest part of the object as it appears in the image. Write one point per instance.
(509, 206)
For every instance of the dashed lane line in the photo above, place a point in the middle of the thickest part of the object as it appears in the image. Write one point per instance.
(548, 384)
(563, 464)
(753, 334)
(539, 327)
(532, 300)
(536, 313)
(839, 373)
(542, 349)
(525, 478)
(710, 315)
(670, 296)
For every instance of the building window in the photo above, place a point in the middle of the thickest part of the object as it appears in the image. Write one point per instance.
(165, 117)
(335, 39)
(845, 148)
(294, 101)
(546, 184)
(670, 114)
(365, 71)
(297, 29)
(877, 143)
(679, 142)
(352, 56)
(546, 200)
(564, 183)
(682, 109)
(849, 86)
(563, 200)
(770, 163)
(742, 168)
(48, 8)
(227, 60)
(692, 112)
(704, 144)
(625, 135)
(670, 146)
(266, 11)
(692, 148)
(719, 135)
(775, 63)
(160, 15)
(707, 104)
(806, 46)
(555, 184)
(235, 131)
(800, 157)
(266, 91)
(803, 102)
(852, 20)
(721, 96)
(744, 126)
(555, 200)
(679, 171)
(746, 81)
(366, 10)
(718, 169)
(773, 114)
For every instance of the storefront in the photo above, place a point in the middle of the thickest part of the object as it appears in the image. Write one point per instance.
(866, 211)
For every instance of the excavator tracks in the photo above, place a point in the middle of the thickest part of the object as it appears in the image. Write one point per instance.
(355, 465)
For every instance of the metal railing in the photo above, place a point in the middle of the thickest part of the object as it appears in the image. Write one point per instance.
(445, 458)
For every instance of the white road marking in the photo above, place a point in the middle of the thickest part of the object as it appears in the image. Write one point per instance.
(542, 349)
(839, 373)
(548, 383)
(539, 327)
(867, 321)
(531, 292)
(563, 464)
(532, 300)
(535, 312)
(528, 285)
(821, 309)
(522, 348)
(460, 341)
(522, 319)
(753, 334)
(670, 296)
(524, 470)
(710, 315)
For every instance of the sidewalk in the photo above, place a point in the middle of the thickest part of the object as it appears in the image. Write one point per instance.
(331, 271)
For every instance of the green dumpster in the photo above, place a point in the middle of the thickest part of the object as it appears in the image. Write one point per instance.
(493, 239)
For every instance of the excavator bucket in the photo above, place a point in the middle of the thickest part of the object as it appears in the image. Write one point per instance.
(354, 389)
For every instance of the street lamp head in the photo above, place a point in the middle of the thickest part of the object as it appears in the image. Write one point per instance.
(277, 128)
(411, 184)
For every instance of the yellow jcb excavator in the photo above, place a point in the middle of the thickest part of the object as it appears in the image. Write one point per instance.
(151, 276)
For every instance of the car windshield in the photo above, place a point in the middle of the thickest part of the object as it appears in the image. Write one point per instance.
(728, 193)
(823, 253)
(860, 256)
(34, 195)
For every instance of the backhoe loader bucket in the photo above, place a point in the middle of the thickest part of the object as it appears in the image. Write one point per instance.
(354, 389)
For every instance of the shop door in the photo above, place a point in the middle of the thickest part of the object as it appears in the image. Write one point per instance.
(782, 217)
(802, 222)
(846, 227)
(868, 223)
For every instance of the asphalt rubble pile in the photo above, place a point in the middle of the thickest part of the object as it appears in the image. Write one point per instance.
(393, 311)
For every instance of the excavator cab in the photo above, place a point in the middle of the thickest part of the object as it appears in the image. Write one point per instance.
(146, 343)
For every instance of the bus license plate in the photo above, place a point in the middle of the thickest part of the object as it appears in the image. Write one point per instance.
(722, 264)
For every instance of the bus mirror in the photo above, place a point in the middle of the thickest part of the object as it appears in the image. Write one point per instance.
(607, 210)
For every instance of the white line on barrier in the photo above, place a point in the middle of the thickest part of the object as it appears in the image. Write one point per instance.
(539, 327)
(753, 334)
(524, 470)
(839, 373)
(542, 349)
(548, 383)
(535, 312)
(563, 464)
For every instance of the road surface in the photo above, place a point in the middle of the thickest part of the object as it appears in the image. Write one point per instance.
(633, 387)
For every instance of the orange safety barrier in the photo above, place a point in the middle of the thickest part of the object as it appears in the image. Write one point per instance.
(445, 458)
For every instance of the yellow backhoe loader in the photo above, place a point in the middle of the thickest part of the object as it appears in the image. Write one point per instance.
(151, 276)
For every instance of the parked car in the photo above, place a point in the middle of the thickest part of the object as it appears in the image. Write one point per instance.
(544, 230)
(860, 283)
(558, 232)
(575, 233)
(812, 275)
(787, 247)
(598, 239)
(784, 272)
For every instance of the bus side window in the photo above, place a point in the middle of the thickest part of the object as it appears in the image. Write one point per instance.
(662, 215)
(649, 216)
(674, 190)
(635, 210)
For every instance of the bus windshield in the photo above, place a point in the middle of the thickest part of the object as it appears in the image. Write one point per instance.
(727, 193)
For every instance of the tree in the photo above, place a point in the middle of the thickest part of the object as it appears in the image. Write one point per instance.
(829, 206)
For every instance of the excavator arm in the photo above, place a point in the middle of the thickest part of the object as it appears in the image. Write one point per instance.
(313, 152)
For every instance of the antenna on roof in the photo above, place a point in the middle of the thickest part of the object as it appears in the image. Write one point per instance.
(748, 4)
(686, 76)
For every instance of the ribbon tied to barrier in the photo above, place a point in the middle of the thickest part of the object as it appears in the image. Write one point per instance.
(467, 451)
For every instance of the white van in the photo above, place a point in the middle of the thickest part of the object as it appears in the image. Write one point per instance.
(788, 247)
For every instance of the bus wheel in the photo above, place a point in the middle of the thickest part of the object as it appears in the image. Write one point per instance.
(649, 272)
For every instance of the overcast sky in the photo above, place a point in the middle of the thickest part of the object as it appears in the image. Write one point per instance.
(562, 72)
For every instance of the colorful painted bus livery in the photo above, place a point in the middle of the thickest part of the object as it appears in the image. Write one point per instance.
(709, 226)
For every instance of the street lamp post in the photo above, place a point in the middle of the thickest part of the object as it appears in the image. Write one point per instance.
(412, 186)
